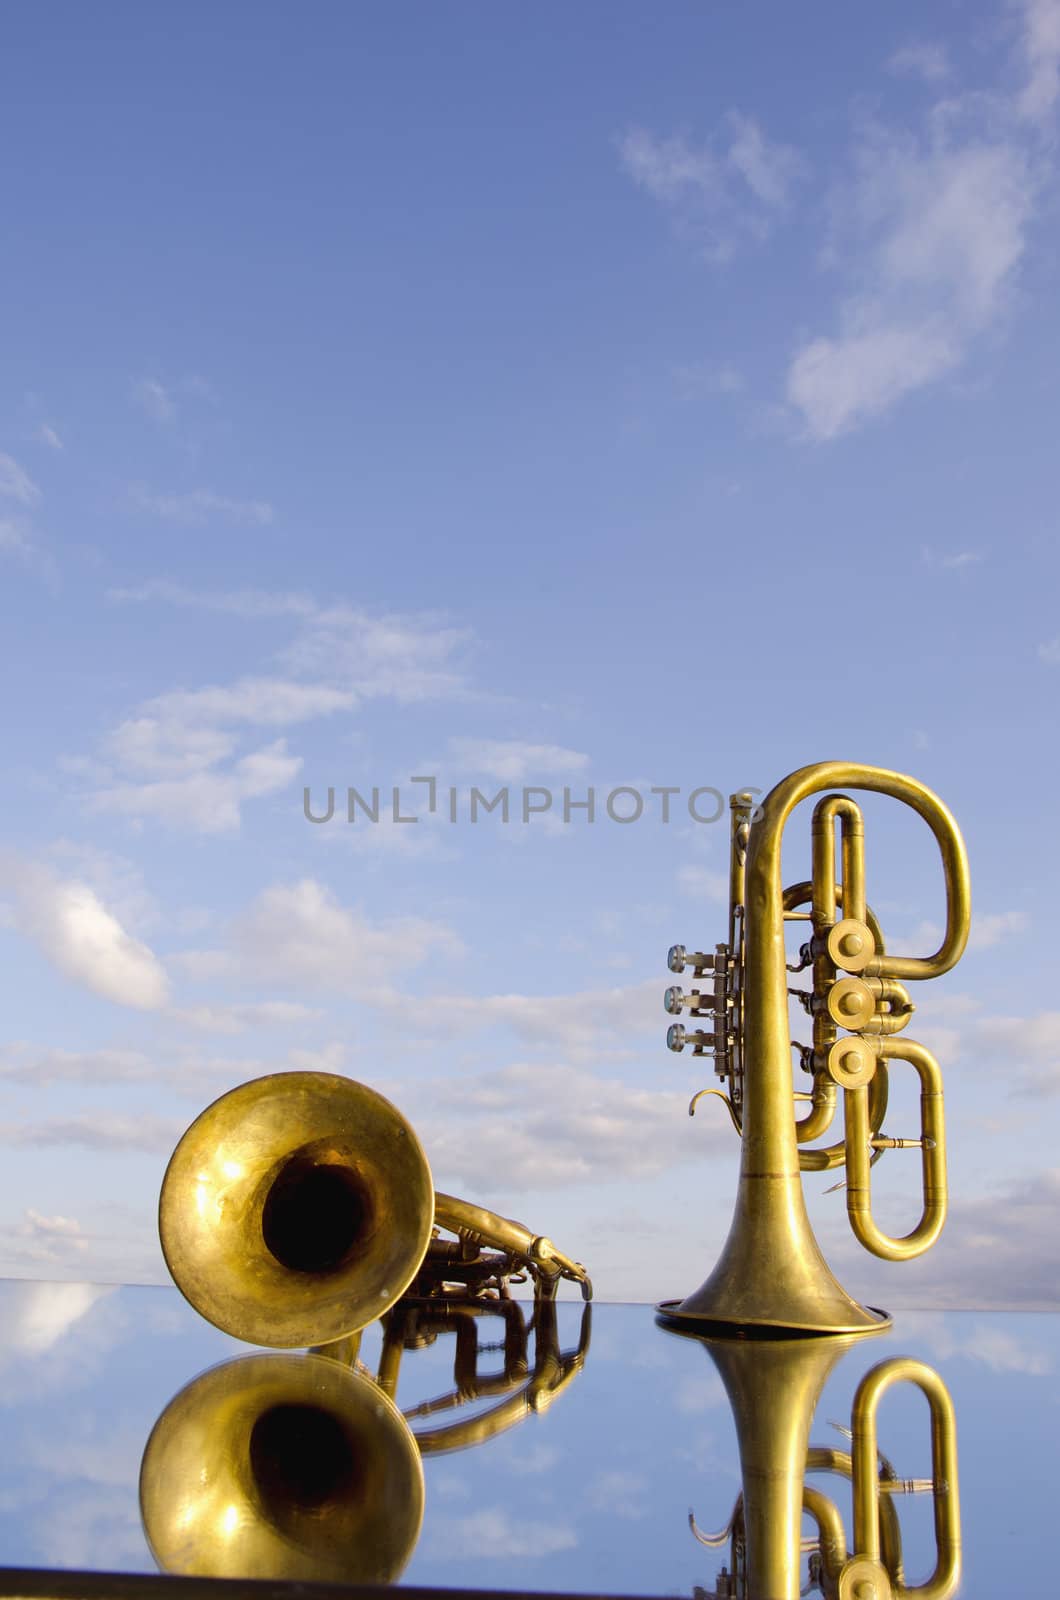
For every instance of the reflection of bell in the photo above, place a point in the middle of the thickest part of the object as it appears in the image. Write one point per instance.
(283, 1467)
(773, 1387)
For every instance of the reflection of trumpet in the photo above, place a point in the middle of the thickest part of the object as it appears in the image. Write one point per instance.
(300, 1206)
(300, 1467)
(771, 1273)
(773, 1388)
(282, 1466)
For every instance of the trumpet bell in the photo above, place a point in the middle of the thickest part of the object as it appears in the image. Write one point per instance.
(295, 1209)
(283, 1467)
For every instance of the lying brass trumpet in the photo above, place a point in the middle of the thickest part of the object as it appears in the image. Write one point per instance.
(296, 1467)
(300, 1206)
(771, 1273)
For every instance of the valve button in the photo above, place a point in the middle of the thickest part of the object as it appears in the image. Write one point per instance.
(851, 1003)
(851, 945)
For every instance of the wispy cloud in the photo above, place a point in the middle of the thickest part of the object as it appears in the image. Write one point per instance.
(578, 1024)
(703, 884)
(235, 602)
(178, 758)
(15, 536)
(46, 434)
(204, 800)
(723, 190)
(300, 935)
(1040, 44)
(16, 483)
(921, 59)
(537, 1125)
(82, 939)
(155, 400)
(202, 505)
(97, 1131)
(935, 227)
(511, 760)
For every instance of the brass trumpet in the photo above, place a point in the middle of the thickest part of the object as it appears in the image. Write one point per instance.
(301, 1468)
(771, 1273)
(300, 1206)
(773, 1387)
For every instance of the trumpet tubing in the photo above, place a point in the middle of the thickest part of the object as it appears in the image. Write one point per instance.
(771, 1273)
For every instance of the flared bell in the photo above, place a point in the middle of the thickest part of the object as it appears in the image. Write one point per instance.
(773, 1385)
(296, 1209)
(282, 1467)
(771, 1272)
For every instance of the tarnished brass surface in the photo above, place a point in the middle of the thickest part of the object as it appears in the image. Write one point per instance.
(298, 1207)
(282, 1466)
(771, 1273)
(773, 1386)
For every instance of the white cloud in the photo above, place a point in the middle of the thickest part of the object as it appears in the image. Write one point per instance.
(160, 748)
(952, 561)
(37, 1316)
(512, 760)
(207, 801)
(155, 399)
(619, 1492)
(989, 928)
(1050, 652)
(709, 378)
(538, 1126)
(301, 934)
(578, 1024)
(921, 60)
(703, 884)
(14, 536)
(76, 932)
(97, 1131)
(239, 1018)
(1040, 44)
(199, 505)
(769, 170)
(47, 435)
(268, 702)
(726, 190)
(236, 602)
(193, 1074)
(15, 483)
(934, 228)
(403, 657)
(839, 383)
(493, 1531)
(184, 743)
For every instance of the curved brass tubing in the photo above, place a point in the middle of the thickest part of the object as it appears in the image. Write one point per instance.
(933, 1158)
(947, 1571)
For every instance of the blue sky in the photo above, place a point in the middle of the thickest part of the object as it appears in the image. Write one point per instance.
(561, 400)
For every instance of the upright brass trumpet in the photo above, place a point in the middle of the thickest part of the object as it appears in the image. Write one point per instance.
(771, 1273)
(300, 1206)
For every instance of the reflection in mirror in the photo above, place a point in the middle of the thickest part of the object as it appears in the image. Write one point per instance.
(303, 1467)
(773, 1388)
